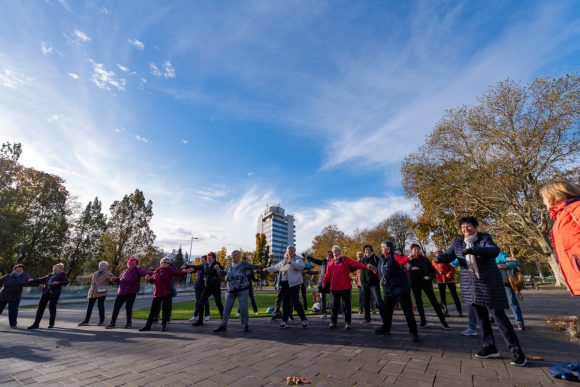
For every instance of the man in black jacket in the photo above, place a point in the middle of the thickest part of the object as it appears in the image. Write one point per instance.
(212, 273)
(198, 287)
(370, 284)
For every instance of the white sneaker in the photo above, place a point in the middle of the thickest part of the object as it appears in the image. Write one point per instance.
(206, 318)
(324, 317)
(256, 313)
(346, 326)
(469, 332)
(283, 325)
(194, 318)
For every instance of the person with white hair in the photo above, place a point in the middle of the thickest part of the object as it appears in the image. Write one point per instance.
(98, 291)
(51, 285)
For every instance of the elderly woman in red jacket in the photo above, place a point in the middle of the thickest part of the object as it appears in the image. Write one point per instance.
(162, 280)
(562, 199)
(337, 279)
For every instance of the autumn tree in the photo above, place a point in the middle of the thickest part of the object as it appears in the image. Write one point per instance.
(10, 218)
(128, 230)
(328, 237)
(222, 256)
(83, 239)
(491, 158)
(261, 256)
(399, 226)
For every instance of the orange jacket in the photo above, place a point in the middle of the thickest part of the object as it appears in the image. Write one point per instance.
(445, 272)
(566, 241)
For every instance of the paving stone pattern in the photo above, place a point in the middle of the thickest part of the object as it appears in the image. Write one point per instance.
(71, 356)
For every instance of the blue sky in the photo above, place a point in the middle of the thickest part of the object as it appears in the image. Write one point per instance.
(217, 108)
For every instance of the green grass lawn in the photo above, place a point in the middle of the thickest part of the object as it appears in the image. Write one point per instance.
(184, 310)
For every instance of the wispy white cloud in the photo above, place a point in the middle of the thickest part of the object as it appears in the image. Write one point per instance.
(104, 10)
(106, 79)
(11, 79)
(249, 174)
(73, 75)
(80, 36)
(132, 135)
(184, 141)
(123, 68)
(211, 193)
(45, 48)
(167, 72)
(137, 44)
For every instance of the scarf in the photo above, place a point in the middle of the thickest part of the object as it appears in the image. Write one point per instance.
(470, 258)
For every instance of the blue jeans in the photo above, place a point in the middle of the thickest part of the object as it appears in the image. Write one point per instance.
(514, 304)
(472, 318)
(12, 311)
(371, 293)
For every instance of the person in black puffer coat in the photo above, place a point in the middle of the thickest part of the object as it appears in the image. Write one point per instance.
(52, 285)
(11, 292)
(421, 274)
(482, 287)
(212, 273)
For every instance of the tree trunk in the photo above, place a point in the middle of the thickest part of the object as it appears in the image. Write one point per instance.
(555, 267)
(539, 268)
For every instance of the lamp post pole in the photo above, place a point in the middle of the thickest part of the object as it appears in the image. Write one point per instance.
(188, 277)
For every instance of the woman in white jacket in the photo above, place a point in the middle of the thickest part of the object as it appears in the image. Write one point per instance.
(290, 269)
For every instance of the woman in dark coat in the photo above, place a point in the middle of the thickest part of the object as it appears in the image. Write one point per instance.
(129, 284)
(51, 285)
(11, 292)
(482, 287)
(421, 274)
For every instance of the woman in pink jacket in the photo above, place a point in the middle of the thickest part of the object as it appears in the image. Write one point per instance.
(337, 279)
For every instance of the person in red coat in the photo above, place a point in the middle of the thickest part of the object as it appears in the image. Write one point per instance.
(562, 199)
(162, 280)
(446, 279)
(337, 279)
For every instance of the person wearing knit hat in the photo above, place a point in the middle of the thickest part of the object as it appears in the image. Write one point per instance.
(212, 274)
(395, 286)
(129, 284)
(11, 292)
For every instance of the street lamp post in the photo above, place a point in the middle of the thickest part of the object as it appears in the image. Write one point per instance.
(188, 277)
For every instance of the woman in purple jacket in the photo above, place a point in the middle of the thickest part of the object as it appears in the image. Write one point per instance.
(129, 283)
(51, 285)
(11, 292)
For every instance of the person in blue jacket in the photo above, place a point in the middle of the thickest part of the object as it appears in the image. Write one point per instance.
(507, 266)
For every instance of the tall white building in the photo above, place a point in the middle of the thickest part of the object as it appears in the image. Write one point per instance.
(279, 230)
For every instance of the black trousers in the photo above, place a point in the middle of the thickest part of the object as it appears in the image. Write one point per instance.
(453, 291)
(198, 292)
(290, 297)
(158, 304)
(369, 293)
(427, 287)
(407, 306)
(341, 297)
(208, 292)
(501, 321)
(304, 300)
(45, 299)
(101, 307)
(253, 299)
(128, 300)
(277, 313)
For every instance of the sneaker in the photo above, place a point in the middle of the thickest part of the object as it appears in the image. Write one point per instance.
(291, 318)
(415, 337)
(13, 327)
(445, 327)
(194, 318)
(487, 353)
(256, 313)
(469, 332)
(110, 326)
(145, 329)
(332, 325)
(33, 326)
(444, 310)
(324, 317)
(365, 322)
(221, 328)
(521, 326)
(347, 326)
(518, 358)
(283, 325)
(198, 323)
(206, 318)
(51, 326)
(128, 325)
(246, 328)
(163, 327)
(423, 324)
(382, 331)
(305, 324)
(83, 324)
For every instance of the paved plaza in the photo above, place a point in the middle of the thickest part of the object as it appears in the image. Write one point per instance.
(71, 356)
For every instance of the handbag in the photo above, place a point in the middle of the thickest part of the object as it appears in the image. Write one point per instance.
(101, 289)
(516, 281)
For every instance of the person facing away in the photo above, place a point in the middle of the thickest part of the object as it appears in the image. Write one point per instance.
(482, 287)
(507, 267)
(12, 285)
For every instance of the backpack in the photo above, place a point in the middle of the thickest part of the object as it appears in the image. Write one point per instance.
(516, 280)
